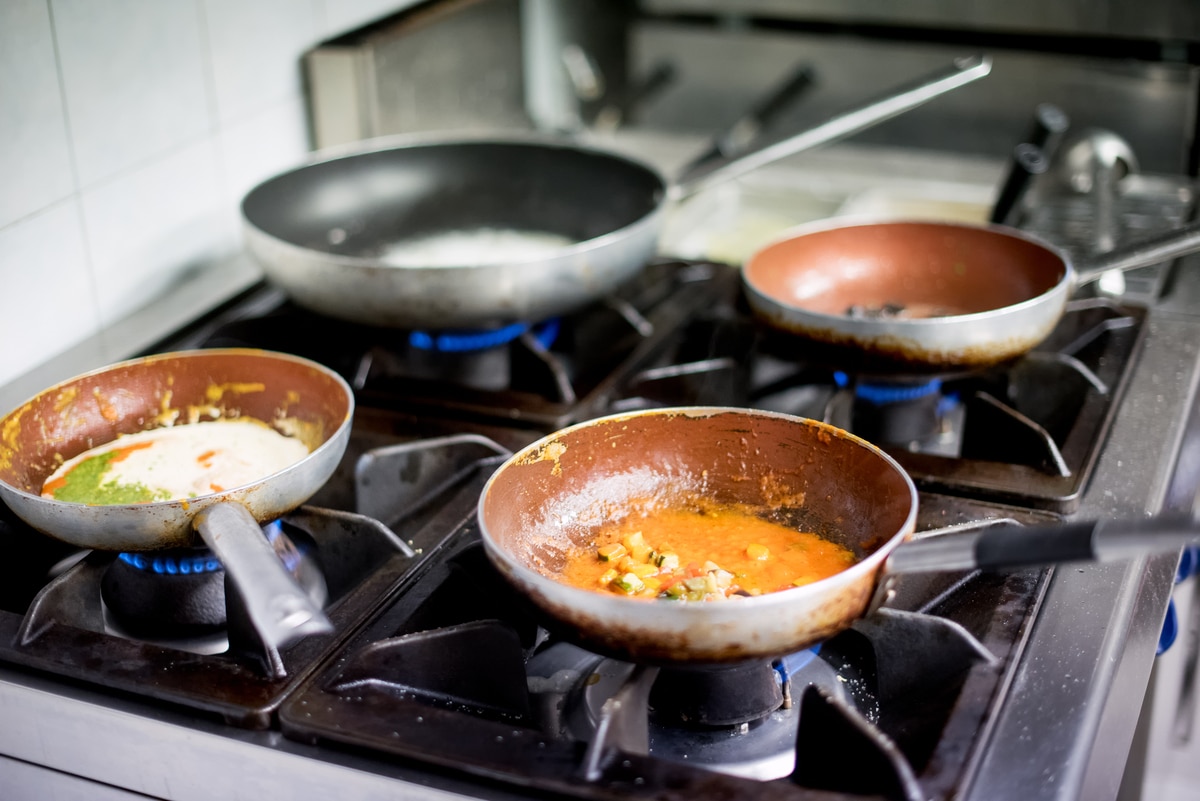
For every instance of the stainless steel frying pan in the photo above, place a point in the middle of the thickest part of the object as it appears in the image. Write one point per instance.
(339, 234)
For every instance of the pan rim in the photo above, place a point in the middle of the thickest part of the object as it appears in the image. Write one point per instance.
(870, 327)
(872, 564)
(199, 501)
(457, 139)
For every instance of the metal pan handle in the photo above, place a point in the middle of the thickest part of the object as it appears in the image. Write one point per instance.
(1141, 253)
(279, 610)
(1010, 546)
(963, 71)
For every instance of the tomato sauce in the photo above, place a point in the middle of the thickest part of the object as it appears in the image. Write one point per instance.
(702, 555)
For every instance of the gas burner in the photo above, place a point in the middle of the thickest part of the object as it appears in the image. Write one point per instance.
(548, 374)
(69, 628)
(466, 341)
(177, 594)
(738, 719)
(716, 696)
(480, 360)
(178, 597)
(1025, 432)
(917, 414)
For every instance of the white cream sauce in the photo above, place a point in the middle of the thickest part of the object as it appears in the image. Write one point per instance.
(468, 248)
(184, 461)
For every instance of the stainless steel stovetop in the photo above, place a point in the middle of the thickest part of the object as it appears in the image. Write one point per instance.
(1043, 704)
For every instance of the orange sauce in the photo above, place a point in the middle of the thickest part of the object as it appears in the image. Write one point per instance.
(690, 555)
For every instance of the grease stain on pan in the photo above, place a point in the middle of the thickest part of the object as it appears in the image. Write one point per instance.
(65, 398)
(215, 393)
(907, 352)
(549, 452)
(9, 435)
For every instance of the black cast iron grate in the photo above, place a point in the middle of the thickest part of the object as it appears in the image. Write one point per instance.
(442, 677)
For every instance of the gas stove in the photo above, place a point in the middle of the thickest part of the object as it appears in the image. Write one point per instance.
(436, 662)
(437, 680)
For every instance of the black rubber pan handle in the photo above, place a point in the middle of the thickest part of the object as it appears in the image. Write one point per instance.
(1009, 545)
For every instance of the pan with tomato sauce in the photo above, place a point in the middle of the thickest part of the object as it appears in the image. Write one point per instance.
(766, 483)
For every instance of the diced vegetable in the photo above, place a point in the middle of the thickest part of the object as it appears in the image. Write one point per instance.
(629, 583)
(675, 592)
(755, 551)
(644, 570)
(611, 552)
(668, 562)
(638, 549)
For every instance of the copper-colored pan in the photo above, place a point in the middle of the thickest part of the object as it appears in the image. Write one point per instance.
(297, 396)
(926, 296)
(549, 497)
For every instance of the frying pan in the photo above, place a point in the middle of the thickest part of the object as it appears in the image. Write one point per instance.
(342, 234)
(858, 292)
(297, 396)
(550, 496)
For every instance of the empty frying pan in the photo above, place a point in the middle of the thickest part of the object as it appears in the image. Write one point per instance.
(921, 297)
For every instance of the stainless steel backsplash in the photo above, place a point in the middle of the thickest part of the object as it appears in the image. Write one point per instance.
(720, 70)
(530, 64)
(1158, 20)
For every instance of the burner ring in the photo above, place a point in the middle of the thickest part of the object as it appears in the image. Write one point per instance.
(172, 564)
(468, 341)
(884, 393)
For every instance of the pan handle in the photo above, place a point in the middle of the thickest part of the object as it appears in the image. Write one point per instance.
(1012, 545)
(698, 177)
(278, 608)
(1141, 253)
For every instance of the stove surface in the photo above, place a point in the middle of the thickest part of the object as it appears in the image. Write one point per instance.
(1089, 424)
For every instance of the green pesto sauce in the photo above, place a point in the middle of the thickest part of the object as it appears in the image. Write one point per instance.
(85, 484)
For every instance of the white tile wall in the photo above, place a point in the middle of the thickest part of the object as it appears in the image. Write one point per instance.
(49, 297)
(35, 156)
(129, 131)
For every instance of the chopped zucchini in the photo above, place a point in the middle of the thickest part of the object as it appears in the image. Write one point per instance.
(629, 583)
(668, 562)
(611, 552)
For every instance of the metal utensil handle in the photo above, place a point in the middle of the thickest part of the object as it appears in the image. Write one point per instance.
(964, 71)
(1049, 124)
(1012, 546)
(1141, 253)
(1027, 161)
(745, 130)
(279, 610)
